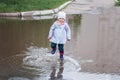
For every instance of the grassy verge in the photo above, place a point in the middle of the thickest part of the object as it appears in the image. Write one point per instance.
(117, 2)
(28, 5)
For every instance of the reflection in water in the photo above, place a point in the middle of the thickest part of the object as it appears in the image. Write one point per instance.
(95, 45)
(61, 68)
(59, 74)
(17, 35)
(100, 42)
(39, 62)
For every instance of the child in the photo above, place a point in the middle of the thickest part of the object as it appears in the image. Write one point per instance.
(59, 33)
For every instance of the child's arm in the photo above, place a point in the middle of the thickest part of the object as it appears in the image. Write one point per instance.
(51, 32)
(68, 31)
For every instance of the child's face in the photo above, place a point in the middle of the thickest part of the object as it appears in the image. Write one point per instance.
(61, 19)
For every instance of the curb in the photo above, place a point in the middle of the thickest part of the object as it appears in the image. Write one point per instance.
(35, 13)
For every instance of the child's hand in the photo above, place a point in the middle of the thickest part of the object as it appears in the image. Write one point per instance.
(49, 38)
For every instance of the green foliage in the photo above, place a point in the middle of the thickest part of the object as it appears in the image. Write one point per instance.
(117, 2)
(28, 5)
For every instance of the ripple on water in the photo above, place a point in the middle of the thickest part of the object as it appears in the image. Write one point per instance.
(47, 67)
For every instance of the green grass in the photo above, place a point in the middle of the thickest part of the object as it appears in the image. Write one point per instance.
(117, 2)
(28, 5)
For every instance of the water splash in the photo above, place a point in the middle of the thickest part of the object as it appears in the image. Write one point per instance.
(40, 60)
(45, 66)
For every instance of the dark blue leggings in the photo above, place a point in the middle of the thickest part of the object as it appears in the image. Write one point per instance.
(60, 47)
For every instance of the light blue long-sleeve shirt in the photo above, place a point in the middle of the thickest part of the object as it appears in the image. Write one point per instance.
(59, 33)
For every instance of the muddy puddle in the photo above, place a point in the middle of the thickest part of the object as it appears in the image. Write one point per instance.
(92, 54)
